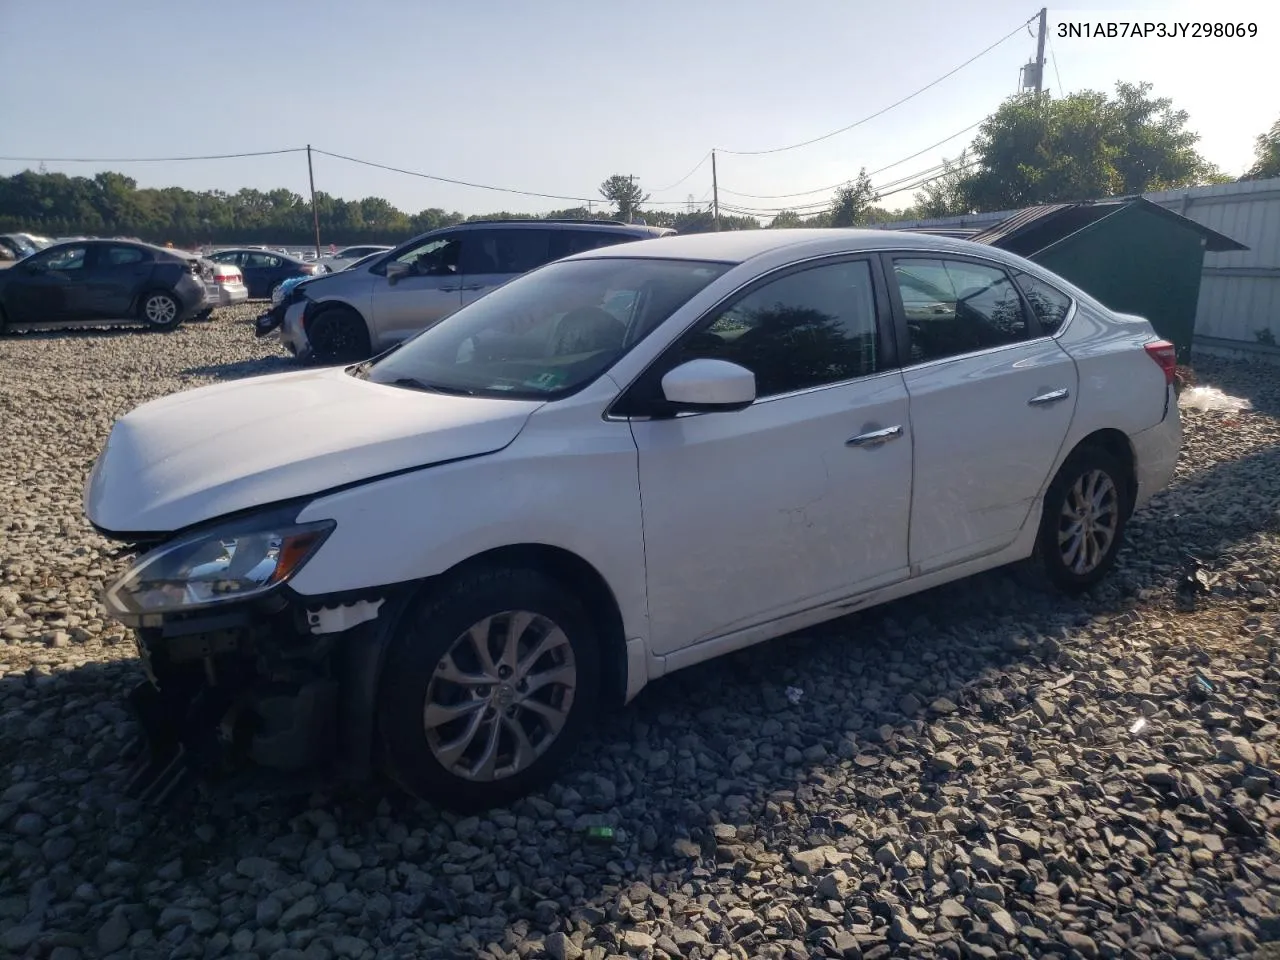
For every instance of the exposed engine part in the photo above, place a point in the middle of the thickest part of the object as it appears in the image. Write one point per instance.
(338, 619)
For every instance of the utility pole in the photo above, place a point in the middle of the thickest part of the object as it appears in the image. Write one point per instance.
(1044, 29)
(315, 214)
(715, 193)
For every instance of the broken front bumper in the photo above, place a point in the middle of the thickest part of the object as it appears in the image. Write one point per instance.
(286, 685)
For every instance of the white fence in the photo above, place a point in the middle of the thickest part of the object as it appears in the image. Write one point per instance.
(1239, 292)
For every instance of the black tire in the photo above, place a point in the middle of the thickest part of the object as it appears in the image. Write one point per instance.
(413, 678)
(160, 309)
(1055, 555)
(4, 322)
(338, 335)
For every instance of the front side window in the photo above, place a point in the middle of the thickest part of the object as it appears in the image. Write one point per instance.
(547, 333)
(64, 258)
(437, 257)
(954, 307)
(1049, 304)
(806, 329)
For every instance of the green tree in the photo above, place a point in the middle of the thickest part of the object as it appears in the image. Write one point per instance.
(785, 219)
(946, 195)
(851, 202)
(1037, 149)
(1266, 155)
(623, 192)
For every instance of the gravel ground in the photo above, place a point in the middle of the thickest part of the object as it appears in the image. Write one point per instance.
(967, 773)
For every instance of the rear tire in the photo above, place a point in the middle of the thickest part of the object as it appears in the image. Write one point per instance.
(467, 728)
(338, 335)
(1082, 525)
(160, 309)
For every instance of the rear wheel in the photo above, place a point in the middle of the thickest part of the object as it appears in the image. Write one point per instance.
(160, 309)
(1085, 512)
(338, 335)
(487, 686)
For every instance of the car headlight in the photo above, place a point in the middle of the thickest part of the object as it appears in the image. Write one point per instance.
(236, 562)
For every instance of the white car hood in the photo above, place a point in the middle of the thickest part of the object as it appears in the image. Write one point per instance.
(204, 453)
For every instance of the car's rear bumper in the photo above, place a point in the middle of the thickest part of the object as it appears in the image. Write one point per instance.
(231, 293)
(1156, 452)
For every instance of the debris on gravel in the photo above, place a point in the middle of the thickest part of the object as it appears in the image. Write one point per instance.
(963, 776)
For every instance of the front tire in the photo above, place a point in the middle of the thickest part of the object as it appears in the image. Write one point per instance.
(488, 685)
(160, 309)
(338, 335)
(1082, 527)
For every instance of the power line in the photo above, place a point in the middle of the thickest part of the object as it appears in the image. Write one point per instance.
(805, 193)
(215, 156)
(1054, 57)
(481, 186)
(881, 112)
(705, 157)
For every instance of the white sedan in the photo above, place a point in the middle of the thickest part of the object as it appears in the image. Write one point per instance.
(616, 466)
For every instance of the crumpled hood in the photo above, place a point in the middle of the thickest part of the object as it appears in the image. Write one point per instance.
(204, 453)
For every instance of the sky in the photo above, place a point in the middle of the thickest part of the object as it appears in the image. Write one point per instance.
(553, 96)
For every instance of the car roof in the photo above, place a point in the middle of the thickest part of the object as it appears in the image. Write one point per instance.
(738, 246)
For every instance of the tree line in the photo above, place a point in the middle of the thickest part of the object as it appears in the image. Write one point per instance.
(1034, 149)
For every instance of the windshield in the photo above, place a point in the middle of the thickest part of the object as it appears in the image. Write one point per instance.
(549, 332)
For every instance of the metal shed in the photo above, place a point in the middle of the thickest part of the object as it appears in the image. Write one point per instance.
(1134, 255)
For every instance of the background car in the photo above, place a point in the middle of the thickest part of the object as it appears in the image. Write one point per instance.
(354, 313)
(17, 244)
(346, 257)
(263, 269)
(230, 285)
(96, 280)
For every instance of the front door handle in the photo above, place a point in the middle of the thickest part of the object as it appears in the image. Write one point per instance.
(875, 437)
(448, 289)
(1053, 396)
(474, 286)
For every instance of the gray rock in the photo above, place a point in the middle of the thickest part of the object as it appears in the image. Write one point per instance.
(1082, 944)
(18, 937)
(560, 947)
(113, 934)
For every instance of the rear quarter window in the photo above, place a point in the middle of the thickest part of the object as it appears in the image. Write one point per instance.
(1049, 304)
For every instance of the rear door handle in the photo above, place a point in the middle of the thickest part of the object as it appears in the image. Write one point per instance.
(875, 437)
(448, 289)
(474, 286)
(1053, 396)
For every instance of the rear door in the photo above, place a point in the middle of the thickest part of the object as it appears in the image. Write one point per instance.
(115, 276)
(262, 271)
(492, 257)
(992, 397)
(427, 295)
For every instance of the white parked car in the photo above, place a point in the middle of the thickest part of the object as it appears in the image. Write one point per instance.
(229, 285)
(613, 467)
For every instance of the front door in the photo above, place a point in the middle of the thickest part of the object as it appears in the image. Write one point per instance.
(427, 295)
(991, 402)
(262, 271)
(492, 257)
(802, 498)
(48, 286)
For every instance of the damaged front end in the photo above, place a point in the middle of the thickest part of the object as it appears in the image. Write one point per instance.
(242, 671)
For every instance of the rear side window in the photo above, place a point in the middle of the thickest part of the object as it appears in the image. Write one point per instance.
(264, 260)
(505, 251)
(1049, 304)
(955, 307)
(121, 256)
(565, 243)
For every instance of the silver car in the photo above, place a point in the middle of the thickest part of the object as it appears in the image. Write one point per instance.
(353, 314)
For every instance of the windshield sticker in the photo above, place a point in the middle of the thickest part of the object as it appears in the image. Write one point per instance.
(548, 380)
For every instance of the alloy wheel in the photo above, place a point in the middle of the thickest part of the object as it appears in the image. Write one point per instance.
(1088, 522)
(160, 309)
(500, 696)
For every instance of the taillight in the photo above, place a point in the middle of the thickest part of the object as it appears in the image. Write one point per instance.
(226, 278)
(1166, 357)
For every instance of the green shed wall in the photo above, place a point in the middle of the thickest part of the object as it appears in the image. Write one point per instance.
(1136, 262)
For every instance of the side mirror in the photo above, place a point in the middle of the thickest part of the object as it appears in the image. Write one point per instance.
(709, 385)
(396, 270)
